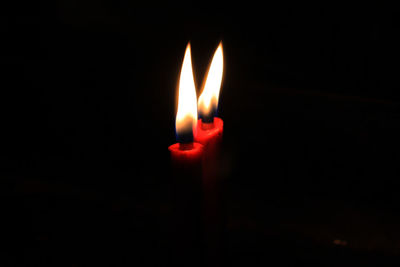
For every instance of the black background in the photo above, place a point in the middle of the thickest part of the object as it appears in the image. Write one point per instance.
(310, 102)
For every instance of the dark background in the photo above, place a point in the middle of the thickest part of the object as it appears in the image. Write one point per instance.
(310, 102)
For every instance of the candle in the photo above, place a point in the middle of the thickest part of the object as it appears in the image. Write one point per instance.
(186, 152)
(209, 133)
(186, 156)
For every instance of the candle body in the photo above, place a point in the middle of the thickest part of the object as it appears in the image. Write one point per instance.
(187, 225)
(210, 135)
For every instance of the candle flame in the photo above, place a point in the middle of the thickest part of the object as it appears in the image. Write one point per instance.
(186, 116)
(208, 100)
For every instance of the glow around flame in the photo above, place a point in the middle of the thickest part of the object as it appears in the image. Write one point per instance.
(186, 116)
(208, 100)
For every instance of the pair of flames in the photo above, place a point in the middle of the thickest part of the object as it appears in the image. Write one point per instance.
(186, 116)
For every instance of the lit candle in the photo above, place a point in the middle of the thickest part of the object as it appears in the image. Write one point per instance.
(187, 158)
(209, 133)
(186, 152)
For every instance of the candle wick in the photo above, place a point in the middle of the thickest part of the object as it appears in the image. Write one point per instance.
(207, 125)
(185, 146)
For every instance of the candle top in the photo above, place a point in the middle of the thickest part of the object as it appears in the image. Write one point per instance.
(206, 132)
(194, 154)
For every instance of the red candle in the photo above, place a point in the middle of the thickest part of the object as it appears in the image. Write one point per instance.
(209, 133)
(186, 156)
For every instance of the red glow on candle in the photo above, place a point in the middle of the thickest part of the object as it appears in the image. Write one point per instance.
(186, 156)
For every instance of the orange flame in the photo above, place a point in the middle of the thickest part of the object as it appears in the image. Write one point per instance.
(186, 116)
(208, 100)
